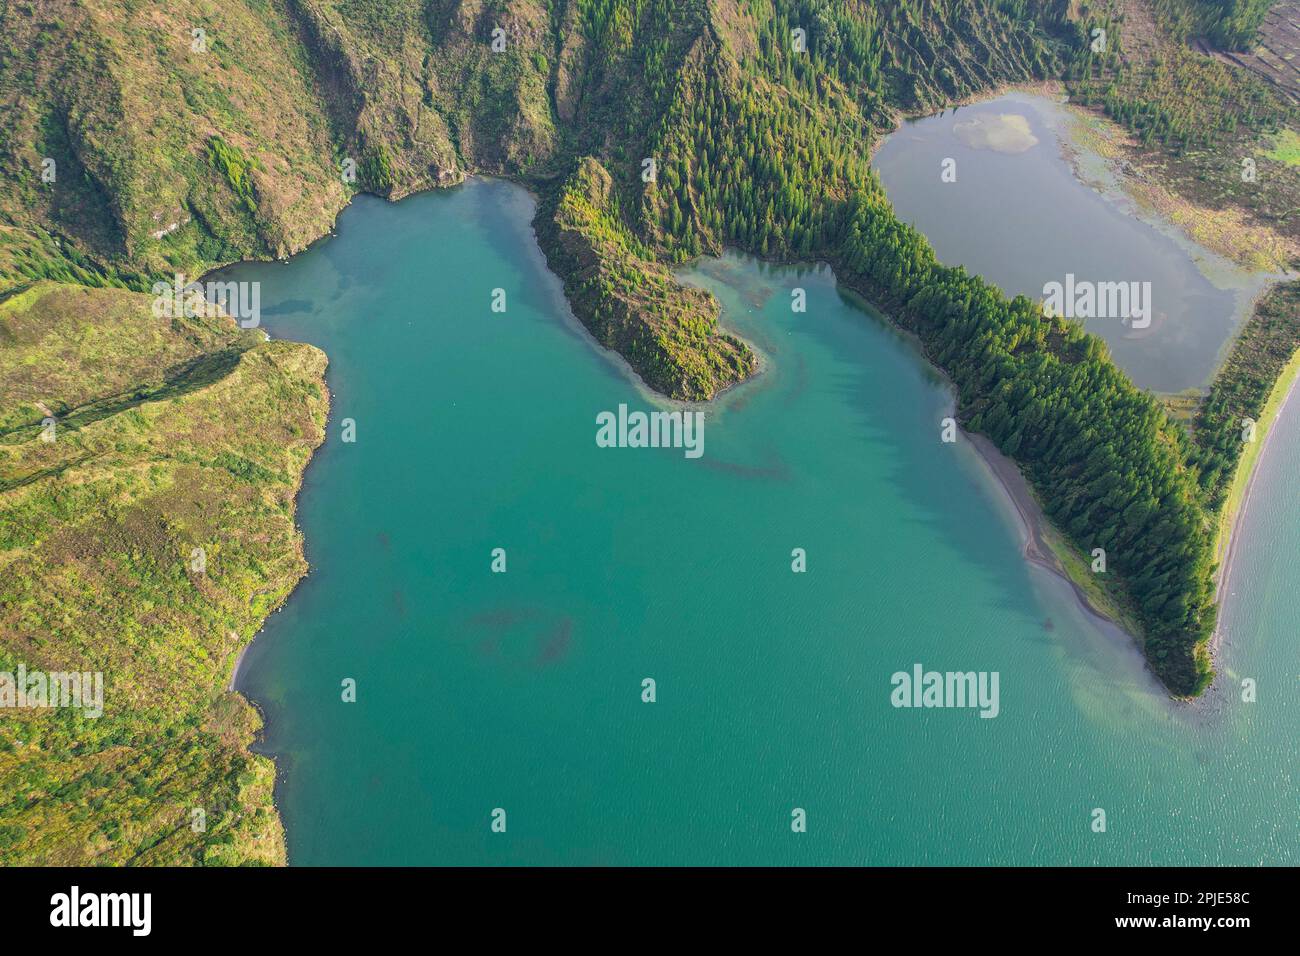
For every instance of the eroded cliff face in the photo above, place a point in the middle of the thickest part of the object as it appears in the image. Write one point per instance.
(192, 136)
(189, 135)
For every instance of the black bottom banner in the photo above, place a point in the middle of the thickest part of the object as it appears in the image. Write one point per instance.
(306, 905)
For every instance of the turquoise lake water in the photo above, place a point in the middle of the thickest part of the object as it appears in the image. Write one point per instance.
(476, 690)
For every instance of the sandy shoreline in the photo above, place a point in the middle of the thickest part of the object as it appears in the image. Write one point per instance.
(239, 659)
(1033, 522)
(1276, 404)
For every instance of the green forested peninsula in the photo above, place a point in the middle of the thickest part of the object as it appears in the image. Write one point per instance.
(653, 131)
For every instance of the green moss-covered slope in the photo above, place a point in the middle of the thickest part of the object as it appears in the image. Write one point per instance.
(170, 437)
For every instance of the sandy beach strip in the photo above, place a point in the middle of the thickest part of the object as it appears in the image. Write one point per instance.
(1244, 483)
(1033, 522)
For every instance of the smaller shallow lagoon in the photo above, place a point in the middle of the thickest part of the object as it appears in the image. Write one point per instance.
(1019, 214)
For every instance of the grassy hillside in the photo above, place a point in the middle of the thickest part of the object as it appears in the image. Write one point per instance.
(1196, 118)
(169, 152)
